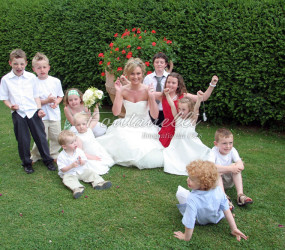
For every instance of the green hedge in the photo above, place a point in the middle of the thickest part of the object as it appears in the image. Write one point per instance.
(240, 41)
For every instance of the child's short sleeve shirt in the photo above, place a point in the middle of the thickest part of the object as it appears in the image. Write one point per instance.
(50, 86)
(225, 160)
(204, 207)
(65, 159)
(21, 90)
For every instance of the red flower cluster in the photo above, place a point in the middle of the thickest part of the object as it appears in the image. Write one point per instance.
(133, 43)
(129, 55)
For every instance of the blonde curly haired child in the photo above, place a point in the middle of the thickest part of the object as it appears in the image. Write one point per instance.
(206, 203)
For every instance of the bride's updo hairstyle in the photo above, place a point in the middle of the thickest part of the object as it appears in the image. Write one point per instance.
(131, 64)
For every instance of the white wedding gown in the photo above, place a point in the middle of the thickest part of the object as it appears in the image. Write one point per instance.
(134, 140)
(184, 148)
(91, 146)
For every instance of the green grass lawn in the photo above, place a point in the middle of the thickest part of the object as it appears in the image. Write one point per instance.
(139, 212)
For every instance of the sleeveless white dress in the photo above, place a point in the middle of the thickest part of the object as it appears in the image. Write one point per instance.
(92, 147)
(184, 148)
(134, 140)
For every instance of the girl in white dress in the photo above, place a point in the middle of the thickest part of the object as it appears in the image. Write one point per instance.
(73, 104)
(133, 140)
(185, 146)
(98, 158)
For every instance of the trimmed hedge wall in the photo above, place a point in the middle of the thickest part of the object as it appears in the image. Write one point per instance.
(240, 41)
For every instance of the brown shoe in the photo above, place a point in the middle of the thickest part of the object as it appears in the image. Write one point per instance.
(78, 192)
(103, 185)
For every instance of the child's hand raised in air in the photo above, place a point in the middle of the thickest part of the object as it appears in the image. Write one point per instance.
(200, 95)
(214, 80)
(150, 90)
(166, 91)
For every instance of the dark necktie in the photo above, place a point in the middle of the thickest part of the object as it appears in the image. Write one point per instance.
(158, 85)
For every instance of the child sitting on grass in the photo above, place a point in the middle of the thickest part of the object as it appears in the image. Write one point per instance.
(185, 146)
(97, 156)
(73, 104)
(229, 165)
(72, 166)
(206, 203)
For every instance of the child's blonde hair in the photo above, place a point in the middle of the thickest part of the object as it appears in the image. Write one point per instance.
(75, 91)
(17, 53)
(190, 105)
(203, 173)
(64, 137)
(39, 57)
(131, 65)
(79, 116)
(222, 133)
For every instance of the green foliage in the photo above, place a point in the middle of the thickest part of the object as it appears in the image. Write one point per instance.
(240, 41)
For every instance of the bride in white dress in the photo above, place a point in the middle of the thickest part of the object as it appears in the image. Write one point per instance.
(133, 140)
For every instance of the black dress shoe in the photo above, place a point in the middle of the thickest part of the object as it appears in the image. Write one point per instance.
(29, 169)
(51, 167)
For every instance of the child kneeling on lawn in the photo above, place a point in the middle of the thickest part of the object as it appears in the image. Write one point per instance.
(206, 203)
(72, 166)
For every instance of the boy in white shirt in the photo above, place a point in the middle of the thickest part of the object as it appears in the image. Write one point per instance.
(19, 93)
(158, 78)
(229, 165)
(51, 95)
(73, 166)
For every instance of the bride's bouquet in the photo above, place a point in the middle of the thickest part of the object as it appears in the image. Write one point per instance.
(92, 97)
